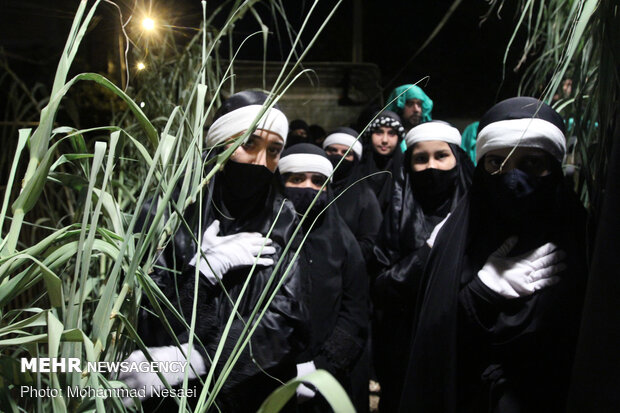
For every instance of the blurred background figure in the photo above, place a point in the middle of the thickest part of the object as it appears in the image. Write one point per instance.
(298, 132)
(411, 104)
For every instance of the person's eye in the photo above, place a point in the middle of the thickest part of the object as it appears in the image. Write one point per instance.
(250, 143)
(533, 165)
(420, 158)
(318, 180)
(494, 163)
(441, 155)
(532, 162)
(392, 132)
(274, 150)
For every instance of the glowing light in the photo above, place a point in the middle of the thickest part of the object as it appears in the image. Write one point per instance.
(141, 66)
(142, 104)
(148, 24)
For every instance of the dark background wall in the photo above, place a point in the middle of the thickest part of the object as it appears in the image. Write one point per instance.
(463, 63)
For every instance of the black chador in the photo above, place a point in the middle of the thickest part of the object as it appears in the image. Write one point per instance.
(331, 260)
(356, 201)
(382, 170)
(415, 209)
(283, 332)
(476, 349)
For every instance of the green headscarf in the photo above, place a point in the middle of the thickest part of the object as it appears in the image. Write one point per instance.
(468, 142)
(410, 92)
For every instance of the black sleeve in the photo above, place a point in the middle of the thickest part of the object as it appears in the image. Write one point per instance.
(342, 349)
(530, 339)
(397, 285)
(369, 224)
(280, 336)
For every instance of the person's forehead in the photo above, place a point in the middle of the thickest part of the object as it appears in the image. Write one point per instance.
(307, 174)
(425, 146)
(269, 136)
(414, 100)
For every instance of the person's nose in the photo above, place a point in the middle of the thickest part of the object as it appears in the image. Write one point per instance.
(260, 158)
(384, 138)
(417, 108)
(432, 163)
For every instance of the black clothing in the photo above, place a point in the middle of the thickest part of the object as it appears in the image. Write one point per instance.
(401, 257)
(281, 335)
(358, 206)
(474, 350)
(385, 169)
(332, 261)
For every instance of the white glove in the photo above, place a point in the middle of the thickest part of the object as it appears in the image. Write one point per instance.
(431, 239)
(232, 251)
(304, 393)
(140, 379)
(520, 276)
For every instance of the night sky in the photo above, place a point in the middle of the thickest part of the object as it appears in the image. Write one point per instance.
(463, 63)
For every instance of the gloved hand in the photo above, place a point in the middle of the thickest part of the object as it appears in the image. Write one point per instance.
(304, 393)
(232, 251)
(520, 276)
(431, 239)
(139, 379)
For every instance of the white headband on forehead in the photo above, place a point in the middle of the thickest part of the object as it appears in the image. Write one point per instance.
(345, 139)
(433, 131)
(526, 133)
(239, 120)
(305, 162)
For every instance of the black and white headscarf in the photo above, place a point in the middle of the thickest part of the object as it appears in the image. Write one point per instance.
(389, 119)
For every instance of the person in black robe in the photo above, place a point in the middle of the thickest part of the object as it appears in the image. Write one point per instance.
(356, 201)
(437, 175)
(332, 261)
(241, 204)
(500, 303)
(382, 159)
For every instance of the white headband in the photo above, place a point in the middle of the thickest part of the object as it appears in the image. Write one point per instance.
(239, 120)
(527, 133)
(305, 162)
(344, 139)
(433, 131)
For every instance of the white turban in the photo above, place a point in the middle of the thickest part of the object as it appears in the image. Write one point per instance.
(525, 133)
(240, 120)
(345, 139)
(305, 162)
(433, 131)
